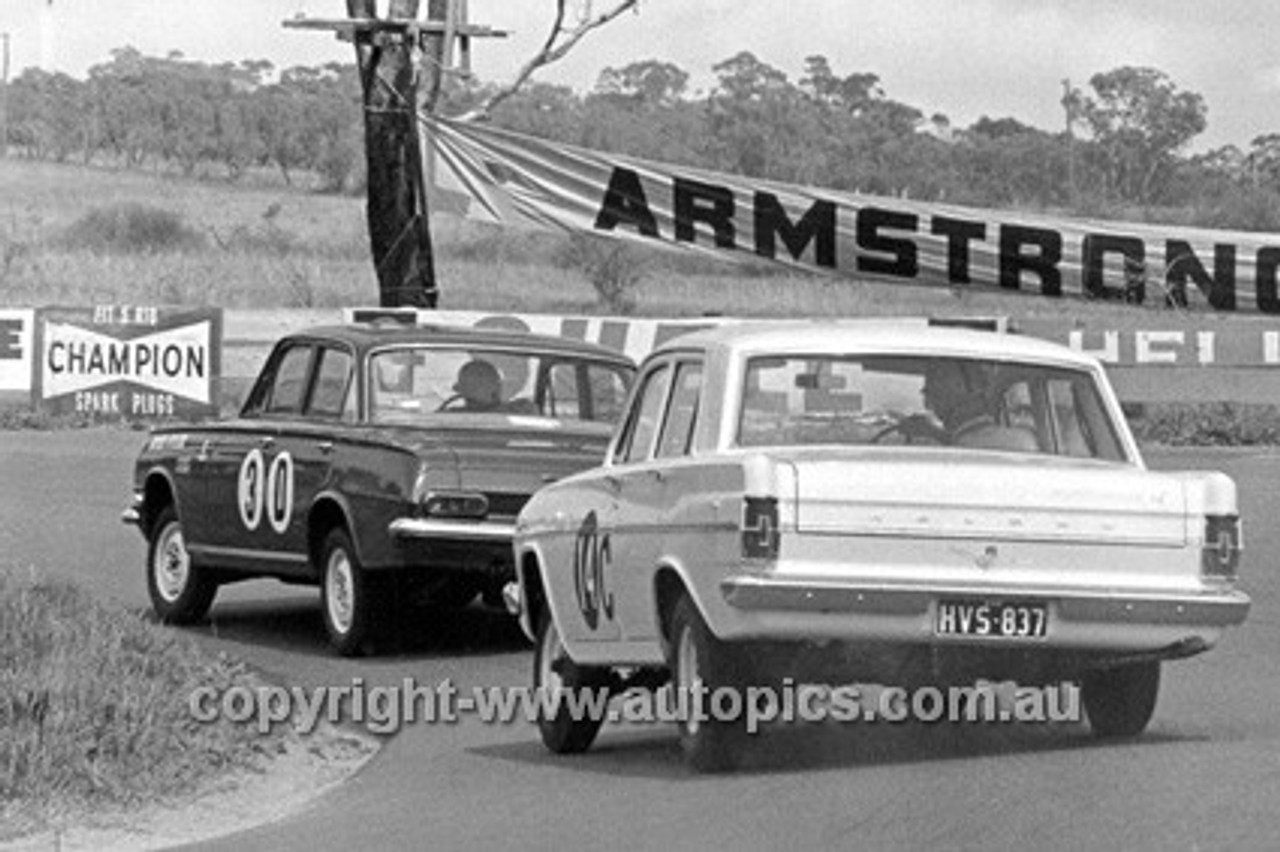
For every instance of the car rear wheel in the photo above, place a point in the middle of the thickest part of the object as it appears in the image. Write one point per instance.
(553, 671)
(1120, 702)
(700, 665)
(347, 595)
(181, 593)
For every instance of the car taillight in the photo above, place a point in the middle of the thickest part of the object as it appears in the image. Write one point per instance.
(455, 504)
(1222, 546)
(760, 528)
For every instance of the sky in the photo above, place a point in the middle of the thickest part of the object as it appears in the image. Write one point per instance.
(965, 60)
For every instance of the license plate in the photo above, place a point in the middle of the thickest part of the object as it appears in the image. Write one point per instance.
(1002, 620)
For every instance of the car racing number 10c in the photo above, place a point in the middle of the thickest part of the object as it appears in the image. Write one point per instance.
(591, 556)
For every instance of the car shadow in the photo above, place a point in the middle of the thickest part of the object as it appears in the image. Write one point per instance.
(654, 753)
(294, 625)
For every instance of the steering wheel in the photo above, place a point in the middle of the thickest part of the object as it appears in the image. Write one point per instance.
(913, 427)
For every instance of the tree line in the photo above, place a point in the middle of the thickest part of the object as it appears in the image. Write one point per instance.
(1121, 152)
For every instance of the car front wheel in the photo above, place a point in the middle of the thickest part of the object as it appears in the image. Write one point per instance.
(181, 593)
(565, 729)
(1120, 701)
(346, 595)
(700, 666)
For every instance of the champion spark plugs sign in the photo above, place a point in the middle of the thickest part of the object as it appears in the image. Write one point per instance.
(139, 363)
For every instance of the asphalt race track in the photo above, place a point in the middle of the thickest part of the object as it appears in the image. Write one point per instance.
(1206, 775)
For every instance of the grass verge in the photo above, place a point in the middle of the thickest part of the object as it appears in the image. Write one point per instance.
(93, 708)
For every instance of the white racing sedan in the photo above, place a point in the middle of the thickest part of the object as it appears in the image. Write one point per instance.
(872, 502)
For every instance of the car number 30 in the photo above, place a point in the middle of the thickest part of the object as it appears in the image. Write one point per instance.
(261, 488)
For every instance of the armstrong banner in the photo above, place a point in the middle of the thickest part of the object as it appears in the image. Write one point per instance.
(139, 363)
(506, 178)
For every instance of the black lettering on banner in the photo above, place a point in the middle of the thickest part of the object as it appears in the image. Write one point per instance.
(704, 202)
(1265, 266)
(1014, 262)
(817, 226)
(10, 339)
(1181, 263)
(624, 203)
(1133, 253)
(959, 234)
(591, 555)
(905, 262)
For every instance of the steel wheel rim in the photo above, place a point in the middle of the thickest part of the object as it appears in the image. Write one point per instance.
(171, 565)
(339, 586)
(688, 676)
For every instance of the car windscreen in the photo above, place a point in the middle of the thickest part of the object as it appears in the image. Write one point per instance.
(411, 383)
(925, 400)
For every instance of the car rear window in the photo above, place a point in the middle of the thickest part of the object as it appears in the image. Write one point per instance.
(925, 400)
(410, 383)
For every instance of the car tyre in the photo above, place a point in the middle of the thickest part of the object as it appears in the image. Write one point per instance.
(1120, 701)
(553, 670)
(707, 744)
(348, 595)
(181, 593)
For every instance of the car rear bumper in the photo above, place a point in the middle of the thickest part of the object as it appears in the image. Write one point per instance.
(1124, 621)
(472, 531)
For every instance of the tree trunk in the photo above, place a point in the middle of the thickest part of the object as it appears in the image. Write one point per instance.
(399, 226)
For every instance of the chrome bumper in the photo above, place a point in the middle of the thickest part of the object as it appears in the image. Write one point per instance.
(429, 528)
(133, 514)
(1210, 609)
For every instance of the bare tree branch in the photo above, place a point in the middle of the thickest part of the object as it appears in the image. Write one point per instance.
(561, 39)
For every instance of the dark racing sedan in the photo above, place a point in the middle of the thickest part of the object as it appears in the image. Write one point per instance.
(377, 461)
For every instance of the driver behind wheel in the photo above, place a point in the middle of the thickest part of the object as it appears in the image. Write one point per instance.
(964, 397)
(479, 386)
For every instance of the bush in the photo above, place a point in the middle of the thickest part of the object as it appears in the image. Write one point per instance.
(1207, 424)
(131, 228)
(614, 268)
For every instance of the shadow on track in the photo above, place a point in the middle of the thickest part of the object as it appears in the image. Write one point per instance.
(653, 752)
(294, 624)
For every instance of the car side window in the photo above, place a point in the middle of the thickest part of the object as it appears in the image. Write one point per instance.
(332, 385)
(682, 411)
(290, 383)
(642, 420)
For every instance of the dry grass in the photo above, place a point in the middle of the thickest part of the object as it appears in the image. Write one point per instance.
(93, 706)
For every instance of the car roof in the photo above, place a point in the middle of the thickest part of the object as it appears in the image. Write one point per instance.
(366, 335)
(893, 336)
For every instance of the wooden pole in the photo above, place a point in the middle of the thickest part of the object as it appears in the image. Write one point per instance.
(399, 227)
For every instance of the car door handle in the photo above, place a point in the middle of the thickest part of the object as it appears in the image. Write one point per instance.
(268, 442)
(658, 475)
(614, 483)
(326, 447)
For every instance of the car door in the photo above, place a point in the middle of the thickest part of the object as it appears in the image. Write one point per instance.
(637, 482)
(301, 462)
(601, 525)
(242, 465)
(657, 489)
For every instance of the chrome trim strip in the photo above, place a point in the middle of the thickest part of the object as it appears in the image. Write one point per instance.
(247, 553)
